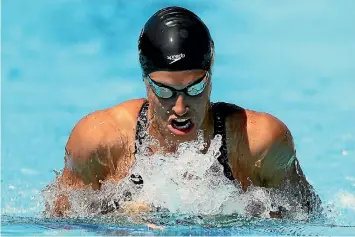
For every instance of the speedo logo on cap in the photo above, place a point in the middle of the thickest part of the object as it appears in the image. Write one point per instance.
(175, 58)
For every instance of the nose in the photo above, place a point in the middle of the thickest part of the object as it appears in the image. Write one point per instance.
(180, 108)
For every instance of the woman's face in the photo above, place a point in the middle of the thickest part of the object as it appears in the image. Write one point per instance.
(179, 101)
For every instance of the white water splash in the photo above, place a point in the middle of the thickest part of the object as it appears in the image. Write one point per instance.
(187, 182)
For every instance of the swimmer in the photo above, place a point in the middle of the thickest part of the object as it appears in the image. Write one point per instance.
(176, 55)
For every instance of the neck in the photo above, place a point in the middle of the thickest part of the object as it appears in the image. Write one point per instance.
(169, 142)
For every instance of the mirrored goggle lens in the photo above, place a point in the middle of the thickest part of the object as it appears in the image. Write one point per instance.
(196, 89)
(163, 92)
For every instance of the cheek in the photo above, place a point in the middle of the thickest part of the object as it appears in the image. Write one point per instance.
(200, 101)
(199, 104)
(159, 106)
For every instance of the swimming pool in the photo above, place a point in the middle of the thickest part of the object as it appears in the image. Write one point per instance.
(64, 59)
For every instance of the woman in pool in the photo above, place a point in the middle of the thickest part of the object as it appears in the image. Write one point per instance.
(176, 54)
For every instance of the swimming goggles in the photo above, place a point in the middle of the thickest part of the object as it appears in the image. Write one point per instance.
(166, 92)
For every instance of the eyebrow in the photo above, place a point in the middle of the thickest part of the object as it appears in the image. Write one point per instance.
(192, 84)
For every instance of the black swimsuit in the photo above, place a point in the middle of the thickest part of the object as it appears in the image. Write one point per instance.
(219, 128)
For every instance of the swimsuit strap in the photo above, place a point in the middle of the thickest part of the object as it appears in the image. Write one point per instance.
(220, 128)
(141, 124)
(142, 121)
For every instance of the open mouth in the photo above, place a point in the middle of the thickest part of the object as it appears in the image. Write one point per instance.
(181, 124)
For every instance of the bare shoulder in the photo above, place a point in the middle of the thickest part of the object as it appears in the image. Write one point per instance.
(262, 142)
(100, 138)
(261, 129)
(265, 130)
(126, 112)
(272, 144)
(101, 127)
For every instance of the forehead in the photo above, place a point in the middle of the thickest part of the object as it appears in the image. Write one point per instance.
(177, 78)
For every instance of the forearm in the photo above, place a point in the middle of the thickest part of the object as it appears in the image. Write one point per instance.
(57, 193)
(61, 206)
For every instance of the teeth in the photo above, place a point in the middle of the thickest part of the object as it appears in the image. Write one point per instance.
(186, 125)
(181, 120)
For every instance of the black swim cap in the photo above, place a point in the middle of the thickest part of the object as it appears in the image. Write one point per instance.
(175, 39)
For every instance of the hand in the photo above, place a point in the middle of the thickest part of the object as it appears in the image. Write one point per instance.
(135, 208)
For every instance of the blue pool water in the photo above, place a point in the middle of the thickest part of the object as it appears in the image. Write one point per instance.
(64, 59)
